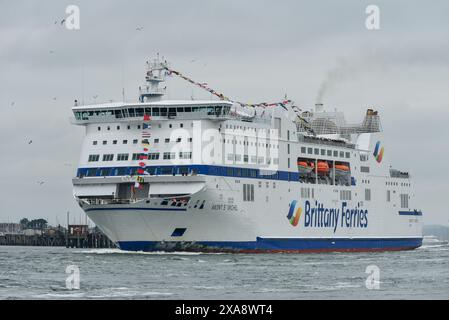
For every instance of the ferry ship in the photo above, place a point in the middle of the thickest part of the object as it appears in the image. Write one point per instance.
(220, 176)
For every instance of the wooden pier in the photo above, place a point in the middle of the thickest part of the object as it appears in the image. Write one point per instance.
(77, 236)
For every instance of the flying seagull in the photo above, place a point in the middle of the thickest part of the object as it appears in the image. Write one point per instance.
(139, 28)
(12, 104)
(30, 142)
(40, 182)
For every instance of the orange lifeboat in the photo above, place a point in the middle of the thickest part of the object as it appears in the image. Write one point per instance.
(341, 170)
(342, 167)
(304, 167)
(303, 164)
(322, 167)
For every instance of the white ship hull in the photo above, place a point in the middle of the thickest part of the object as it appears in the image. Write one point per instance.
(227, 224)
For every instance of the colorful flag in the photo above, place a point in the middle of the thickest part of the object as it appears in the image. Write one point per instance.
(146, 117)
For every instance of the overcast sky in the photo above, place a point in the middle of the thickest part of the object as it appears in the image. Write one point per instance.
(250, 50)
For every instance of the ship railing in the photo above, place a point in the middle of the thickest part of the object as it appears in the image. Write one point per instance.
(102, 201)
(324, 141)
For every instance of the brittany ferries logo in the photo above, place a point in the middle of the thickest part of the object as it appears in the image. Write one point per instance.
(316, 215)
(293, 216)
(378, 154)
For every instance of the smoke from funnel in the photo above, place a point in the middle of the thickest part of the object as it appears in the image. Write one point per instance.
(341, 72)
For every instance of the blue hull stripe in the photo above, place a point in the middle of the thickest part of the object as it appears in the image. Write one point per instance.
(210, 170)
(410, 213)
(278, 244)
(140, 209)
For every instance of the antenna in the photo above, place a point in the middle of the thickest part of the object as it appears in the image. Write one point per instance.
(156, 72)
(82, 81)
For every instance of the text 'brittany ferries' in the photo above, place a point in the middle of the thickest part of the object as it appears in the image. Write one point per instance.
(320, 217)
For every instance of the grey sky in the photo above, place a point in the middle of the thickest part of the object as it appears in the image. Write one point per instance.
(250, 50)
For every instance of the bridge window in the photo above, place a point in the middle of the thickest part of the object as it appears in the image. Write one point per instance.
(118, 114)
(139, 112)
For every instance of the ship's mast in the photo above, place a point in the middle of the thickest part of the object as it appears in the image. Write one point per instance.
(156, 71)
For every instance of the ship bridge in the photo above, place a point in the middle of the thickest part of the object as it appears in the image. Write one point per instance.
(161, 110)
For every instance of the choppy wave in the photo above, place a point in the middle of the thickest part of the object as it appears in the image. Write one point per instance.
(108, 274)
(118, 251)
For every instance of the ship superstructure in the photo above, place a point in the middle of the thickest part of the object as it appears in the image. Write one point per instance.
(218, 176)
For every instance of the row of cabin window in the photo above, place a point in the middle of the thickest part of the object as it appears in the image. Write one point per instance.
(324, 152)
(254, 159)
(403, 184)
(139, 127)
(108, 128)
(247, 143)
(243, 128)
(135, 141)
(138, 156)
